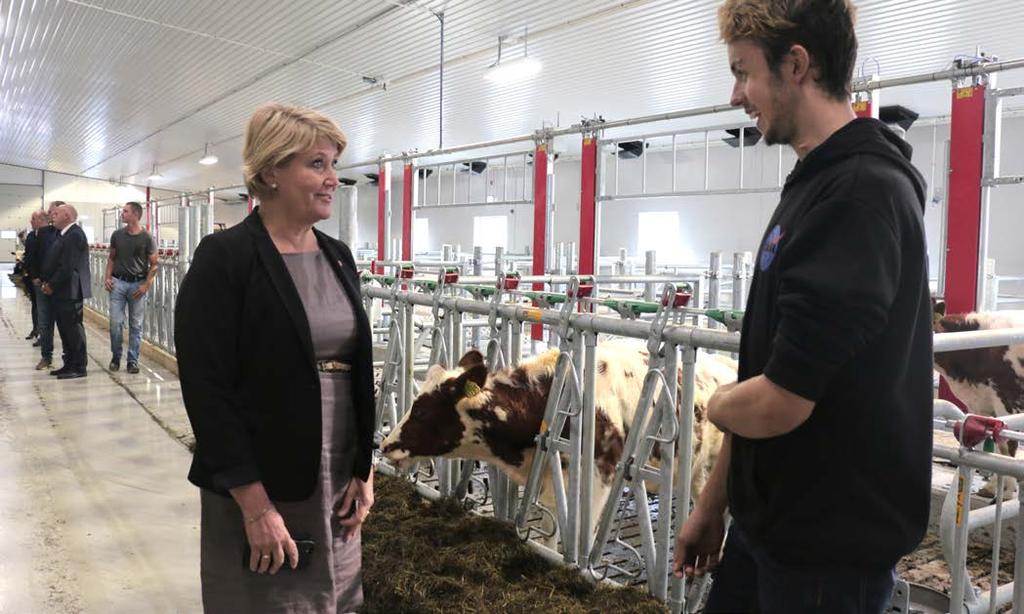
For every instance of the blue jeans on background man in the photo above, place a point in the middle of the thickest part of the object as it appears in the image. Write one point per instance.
(749, 580)
(44, 306)
(121, 298)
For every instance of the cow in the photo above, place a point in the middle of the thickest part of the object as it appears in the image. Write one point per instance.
(469, 413)
(989, 381)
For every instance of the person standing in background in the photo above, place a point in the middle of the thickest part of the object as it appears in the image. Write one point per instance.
(46, 237)
(131, 267)
(30, 262)
(66, 279)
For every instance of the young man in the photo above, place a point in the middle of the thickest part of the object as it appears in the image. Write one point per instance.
(826, 462)
(131, 267)
(67, 281)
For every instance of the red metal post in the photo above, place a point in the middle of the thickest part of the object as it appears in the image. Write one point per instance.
(963, 234)
(963, 225)
(408, 183)
(383, 185)
(540, 219)
(588, 206)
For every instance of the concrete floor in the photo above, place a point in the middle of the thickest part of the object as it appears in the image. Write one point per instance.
(95, 511)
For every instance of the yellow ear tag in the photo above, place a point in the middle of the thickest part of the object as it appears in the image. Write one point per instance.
(543, 427)
(471, 389)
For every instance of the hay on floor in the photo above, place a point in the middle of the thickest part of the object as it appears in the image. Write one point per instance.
(423, 556)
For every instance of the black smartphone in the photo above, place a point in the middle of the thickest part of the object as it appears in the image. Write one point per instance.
(304, 546)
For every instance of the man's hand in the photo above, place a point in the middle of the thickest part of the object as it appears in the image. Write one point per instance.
(140, 291)
(699, 543)
(47, 289)
(108, 283)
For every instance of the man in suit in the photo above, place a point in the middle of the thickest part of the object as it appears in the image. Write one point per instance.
(31, 263)
(67, 282)
(46, 237)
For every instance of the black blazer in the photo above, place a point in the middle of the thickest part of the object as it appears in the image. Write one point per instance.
(31, 257)
(247, 368)
(66, 267)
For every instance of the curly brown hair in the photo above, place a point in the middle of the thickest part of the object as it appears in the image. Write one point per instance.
(825, 28)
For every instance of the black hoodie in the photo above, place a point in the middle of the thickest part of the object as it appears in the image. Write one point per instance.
(839, 313)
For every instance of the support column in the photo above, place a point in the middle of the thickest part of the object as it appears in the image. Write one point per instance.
(409, 190)
(540, 218)
(588, 206)
(348, 218)
(208, 215)
(149, 213)
(383, 213)
(964, 209)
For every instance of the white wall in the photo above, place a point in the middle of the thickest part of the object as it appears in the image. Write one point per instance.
(706, 223)
(22, 191)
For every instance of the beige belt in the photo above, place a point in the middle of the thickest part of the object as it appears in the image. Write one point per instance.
(333, 366)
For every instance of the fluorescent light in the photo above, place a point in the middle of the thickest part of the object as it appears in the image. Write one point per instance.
(513, 70)
(208, 158)
(155, 174)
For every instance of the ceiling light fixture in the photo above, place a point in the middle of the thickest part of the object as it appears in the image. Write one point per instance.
(155, 175)
(513, 70)
(208, 158)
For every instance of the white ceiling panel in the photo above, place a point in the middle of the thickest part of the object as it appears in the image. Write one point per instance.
(107, 88)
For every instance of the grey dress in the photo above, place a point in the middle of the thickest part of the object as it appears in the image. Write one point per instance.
(333, 580)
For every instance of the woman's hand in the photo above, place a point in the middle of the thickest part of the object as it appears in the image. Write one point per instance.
(270, 543)
(269, 540)
(360, 493)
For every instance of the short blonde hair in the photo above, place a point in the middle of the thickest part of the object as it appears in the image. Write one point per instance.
(276, 132)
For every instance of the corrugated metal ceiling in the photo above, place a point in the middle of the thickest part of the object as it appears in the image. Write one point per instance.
(108, 87)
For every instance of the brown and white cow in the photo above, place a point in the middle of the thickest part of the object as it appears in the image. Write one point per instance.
(989, 381)
(469, 413)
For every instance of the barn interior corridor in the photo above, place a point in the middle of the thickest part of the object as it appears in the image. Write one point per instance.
(97, 515)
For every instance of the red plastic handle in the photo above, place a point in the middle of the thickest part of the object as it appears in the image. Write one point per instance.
(977, 428)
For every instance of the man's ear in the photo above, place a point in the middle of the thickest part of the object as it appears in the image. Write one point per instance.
(800, 60)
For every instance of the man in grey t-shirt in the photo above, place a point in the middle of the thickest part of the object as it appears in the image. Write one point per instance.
(131, 267)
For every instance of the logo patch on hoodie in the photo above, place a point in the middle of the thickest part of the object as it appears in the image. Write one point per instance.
(770, 247)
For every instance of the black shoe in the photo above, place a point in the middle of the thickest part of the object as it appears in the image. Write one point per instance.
(133, 367)
(32, 335)
(72, 374)
(61, 371)
(115, 365)
(37, 343)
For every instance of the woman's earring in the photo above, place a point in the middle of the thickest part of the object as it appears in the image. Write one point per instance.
(273, 186)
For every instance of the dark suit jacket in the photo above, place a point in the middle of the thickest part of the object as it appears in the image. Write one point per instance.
(66, 267)
(31, 257)
(247, 368)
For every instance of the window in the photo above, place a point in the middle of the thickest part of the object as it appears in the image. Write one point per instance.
(659, 231)
(421, 233)
(490, 231)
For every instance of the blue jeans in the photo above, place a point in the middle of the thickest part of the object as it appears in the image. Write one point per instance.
(121, 298)
(44, 306)
(748, 580)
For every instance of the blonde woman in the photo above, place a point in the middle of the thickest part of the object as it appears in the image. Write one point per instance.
(274, 354)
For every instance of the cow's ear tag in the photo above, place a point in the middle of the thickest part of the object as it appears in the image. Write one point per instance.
(543, 426)
(471, 389)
